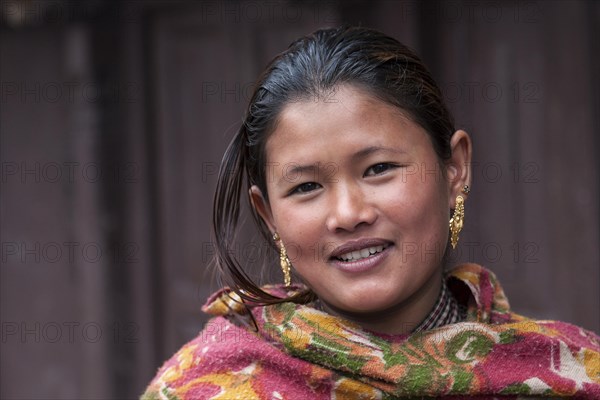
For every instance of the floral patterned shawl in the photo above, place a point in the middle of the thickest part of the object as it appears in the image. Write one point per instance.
(299, 352)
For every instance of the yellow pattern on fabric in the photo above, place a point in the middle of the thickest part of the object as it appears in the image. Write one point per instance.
(234, 384)
(348, 389)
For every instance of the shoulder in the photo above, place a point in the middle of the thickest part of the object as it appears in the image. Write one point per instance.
(227, 359)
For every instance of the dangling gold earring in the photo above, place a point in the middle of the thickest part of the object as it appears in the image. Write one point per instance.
(284, 260)
(457, 220)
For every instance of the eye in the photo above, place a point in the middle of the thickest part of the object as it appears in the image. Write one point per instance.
(379, 169)
(306, 187)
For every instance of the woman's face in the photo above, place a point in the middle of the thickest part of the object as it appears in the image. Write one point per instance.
(361, 202)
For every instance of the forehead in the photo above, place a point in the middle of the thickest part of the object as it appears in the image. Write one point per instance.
(328, 125)
(340, 102)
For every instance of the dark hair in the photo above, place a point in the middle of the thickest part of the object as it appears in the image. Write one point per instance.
(311, 67)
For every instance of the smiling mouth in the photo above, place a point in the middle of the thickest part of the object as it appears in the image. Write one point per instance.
(361, 254)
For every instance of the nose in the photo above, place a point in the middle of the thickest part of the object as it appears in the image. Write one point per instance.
(349, 208)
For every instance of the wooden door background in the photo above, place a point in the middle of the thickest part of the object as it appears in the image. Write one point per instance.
(114, 116)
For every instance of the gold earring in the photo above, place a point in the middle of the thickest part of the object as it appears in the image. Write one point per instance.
(284, 260)
(456, 222)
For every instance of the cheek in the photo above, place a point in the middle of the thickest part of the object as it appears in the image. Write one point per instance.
(419, 207)
(299, 227)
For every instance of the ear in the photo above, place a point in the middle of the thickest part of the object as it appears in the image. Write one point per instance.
(262, 208)
(458, 168)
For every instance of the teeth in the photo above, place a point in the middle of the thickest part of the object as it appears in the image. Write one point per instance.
(360, 254)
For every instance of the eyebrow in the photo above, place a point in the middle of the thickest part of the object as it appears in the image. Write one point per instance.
(367, 151)
(362, 153)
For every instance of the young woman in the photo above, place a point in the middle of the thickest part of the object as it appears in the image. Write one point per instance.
(354, 171)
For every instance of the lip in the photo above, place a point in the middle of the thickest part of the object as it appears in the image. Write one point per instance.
(358, 244)
(364, 264)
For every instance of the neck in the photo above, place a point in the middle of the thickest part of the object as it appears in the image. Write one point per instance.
(402, 318)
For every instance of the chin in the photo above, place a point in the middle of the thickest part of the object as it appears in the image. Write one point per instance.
(365, 304)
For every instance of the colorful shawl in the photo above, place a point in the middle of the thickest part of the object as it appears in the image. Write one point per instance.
(299, 352)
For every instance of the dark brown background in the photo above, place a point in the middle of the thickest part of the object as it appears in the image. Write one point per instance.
(102, 277)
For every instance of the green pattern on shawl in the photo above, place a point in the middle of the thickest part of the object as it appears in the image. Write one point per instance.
(508, 337)
(338, 355)
(470, 344)
(390, 358)
(462, 380)
(517, 389)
